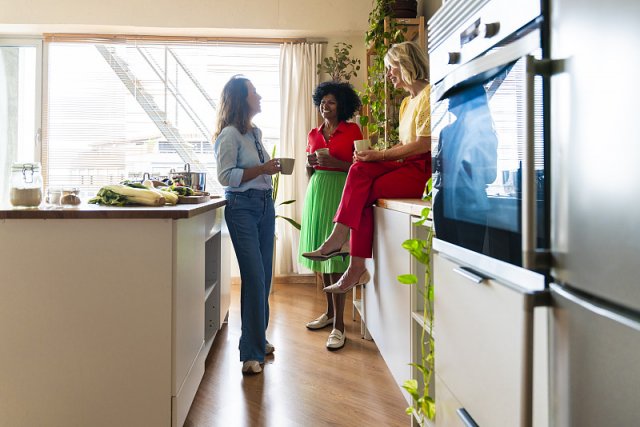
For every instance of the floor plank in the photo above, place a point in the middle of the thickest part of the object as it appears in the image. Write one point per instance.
(303, 384)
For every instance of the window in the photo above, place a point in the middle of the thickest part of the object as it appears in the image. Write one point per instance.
(20, 82)
(115, 111)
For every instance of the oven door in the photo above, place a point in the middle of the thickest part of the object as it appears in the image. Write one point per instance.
(488, 146)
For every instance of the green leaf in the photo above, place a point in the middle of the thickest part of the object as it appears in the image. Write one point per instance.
(412, 388)
(290, 221)
(407, 279)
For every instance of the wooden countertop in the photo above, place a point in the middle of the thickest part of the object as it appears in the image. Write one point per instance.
(85, 211)
(409, 206)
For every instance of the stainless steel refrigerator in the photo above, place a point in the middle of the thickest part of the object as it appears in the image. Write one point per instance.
(595, 213)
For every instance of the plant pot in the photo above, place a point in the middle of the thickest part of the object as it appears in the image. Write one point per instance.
(404, 9)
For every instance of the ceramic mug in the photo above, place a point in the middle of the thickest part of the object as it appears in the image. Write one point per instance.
(322, 152)
(362, 144)
(286, 165)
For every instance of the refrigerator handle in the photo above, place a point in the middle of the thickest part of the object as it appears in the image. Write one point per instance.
(597, 307)
(532, 257)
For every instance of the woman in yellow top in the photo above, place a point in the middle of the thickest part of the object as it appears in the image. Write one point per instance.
(399, 172)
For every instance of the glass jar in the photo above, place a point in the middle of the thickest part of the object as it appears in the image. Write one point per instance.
(26, 184)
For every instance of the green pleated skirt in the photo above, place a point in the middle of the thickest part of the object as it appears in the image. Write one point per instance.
(320, 205)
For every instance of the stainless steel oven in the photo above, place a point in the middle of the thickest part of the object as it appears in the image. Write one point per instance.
(488, 130)
(491, 211)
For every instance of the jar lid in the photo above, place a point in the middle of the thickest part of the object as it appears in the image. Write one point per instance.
(25, 166)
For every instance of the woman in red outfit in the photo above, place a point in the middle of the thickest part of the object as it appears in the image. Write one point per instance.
(399, 172)
(329, 156)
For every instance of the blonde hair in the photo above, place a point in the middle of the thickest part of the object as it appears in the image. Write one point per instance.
(234, 108)
(411, 59)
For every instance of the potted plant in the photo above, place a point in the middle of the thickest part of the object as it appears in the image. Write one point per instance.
(340, 66)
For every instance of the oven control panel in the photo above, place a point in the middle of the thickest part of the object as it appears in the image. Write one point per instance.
(464, 29)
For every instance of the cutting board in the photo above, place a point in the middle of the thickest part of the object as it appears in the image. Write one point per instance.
(193, 199)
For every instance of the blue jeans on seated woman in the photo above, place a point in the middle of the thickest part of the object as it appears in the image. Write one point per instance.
(250, 216)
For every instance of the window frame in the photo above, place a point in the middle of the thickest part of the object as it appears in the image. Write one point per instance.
(38, 43)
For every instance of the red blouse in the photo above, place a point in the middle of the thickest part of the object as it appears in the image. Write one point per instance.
(340, 144)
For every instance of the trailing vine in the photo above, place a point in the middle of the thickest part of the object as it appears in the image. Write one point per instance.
(424, 404)
(376, 95)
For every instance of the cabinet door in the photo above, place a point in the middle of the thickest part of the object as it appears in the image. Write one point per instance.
(482, 343)
(388, 303)
(188, 312)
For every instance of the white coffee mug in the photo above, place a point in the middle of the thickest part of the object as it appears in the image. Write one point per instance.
(321, 152)
(362, 144)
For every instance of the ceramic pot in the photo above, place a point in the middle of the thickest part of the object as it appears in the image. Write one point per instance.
(404, 9)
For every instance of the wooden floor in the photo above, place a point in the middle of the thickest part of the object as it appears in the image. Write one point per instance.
(303, 384)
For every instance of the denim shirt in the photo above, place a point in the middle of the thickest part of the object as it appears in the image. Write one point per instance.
(235, 152)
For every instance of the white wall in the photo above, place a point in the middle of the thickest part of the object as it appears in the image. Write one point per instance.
(329, 20)
(267, 18)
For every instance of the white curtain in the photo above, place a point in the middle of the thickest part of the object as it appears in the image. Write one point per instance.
(298, 79)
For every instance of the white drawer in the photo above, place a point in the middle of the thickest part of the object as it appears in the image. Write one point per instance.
(446, 405)
(481, 331)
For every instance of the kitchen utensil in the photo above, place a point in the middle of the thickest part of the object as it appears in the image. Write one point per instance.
(195, 180)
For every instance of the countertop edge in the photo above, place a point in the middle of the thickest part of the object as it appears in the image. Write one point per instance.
(409, 206)
(108, 212)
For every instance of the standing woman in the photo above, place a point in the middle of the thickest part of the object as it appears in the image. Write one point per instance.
(337, 102)
(381, 174)
(245, 170)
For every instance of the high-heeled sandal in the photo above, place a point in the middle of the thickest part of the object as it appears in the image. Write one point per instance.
(318, 256)
(338, 289)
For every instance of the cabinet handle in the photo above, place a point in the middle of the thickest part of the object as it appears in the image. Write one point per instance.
(469, 274)
(466, 418)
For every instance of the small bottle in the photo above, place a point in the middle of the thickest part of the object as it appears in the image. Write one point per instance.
(26, 184)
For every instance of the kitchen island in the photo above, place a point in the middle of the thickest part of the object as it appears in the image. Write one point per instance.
(107, 314)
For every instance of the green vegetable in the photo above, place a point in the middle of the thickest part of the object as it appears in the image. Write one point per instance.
(181, 190)
(120, 195)
(133, 184)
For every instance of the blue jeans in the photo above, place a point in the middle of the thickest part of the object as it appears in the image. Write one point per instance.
(250, 216)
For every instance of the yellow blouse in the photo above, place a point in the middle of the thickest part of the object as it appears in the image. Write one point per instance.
(415, 117)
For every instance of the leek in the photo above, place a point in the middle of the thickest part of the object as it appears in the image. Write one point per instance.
(121, 195)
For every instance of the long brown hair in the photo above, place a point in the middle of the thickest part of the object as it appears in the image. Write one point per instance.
(233, 108)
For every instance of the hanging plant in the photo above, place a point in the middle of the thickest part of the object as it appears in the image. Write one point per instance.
(340, 66)
(378, 92)
(424, 404)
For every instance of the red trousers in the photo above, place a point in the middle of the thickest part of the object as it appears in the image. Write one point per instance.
(370, 181)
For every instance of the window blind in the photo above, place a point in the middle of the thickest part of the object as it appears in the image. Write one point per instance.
(117, 108)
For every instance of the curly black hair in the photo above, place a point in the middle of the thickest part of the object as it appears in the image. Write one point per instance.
(346, 96)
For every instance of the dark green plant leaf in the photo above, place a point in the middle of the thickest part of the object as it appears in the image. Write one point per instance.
(290, 221)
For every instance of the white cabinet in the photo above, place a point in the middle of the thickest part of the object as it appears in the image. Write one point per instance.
(102, 319)
(484, 356)
(394, 311)
(388, 303)
(217, 295)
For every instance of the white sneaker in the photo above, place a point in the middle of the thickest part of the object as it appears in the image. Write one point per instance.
(336, 340)
(321, 322)
(269, 348)
(251, 367)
